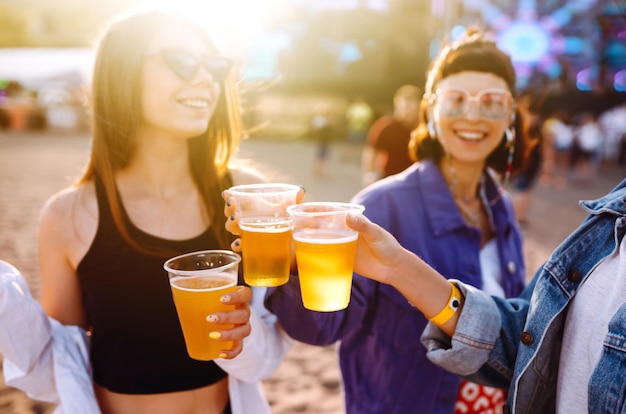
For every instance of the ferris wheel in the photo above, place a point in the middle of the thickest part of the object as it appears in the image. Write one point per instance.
(549, 37)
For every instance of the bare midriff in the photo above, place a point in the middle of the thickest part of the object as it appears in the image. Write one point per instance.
(211, 399)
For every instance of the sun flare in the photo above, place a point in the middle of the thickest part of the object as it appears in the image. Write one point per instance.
(234, 23)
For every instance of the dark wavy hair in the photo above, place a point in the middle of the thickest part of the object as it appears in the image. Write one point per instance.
(474, 51)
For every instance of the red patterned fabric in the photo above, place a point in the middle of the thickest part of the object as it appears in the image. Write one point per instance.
(479, 399)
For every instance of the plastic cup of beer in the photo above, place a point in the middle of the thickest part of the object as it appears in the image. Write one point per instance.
(325, 250)
(265, 231)
(198, 281)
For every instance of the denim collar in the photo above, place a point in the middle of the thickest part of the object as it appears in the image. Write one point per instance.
(614, 202)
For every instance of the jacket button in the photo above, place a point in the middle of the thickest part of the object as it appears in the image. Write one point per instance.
(574, 276)
(510, 267)
(527, 338)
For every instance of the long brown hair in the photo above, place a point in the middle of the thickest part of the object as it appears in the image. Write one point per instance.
(116, 115)
(472, 52)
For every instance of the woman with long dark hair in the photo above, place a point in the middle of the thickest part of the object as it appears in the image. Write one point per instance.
(166, 120)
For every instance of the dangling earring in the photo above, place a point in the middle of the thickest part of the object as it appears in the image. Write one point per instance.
(510, 143)
(431, 129)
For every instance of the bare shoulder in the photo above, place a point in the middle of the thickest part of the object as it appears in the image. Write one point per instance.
(243, 174)
(69, 201)
(70, 218)
(67, 226)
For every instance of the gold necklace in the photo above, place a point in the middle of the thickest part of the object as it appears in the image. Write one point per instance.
(472, 218)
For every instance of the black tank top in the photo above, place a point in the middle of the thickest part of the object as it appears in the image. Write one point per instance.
(137, 345)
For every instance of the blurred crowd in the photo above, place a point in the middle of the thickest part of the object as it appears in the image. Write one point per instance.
(575, 144)
(578, 145)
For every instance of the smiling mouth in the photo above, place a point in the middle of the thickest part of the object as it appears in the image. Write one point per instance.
(471, 136)
(194, 103)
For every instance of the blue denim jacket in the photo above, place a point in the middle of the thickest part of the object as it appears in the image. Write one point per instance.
(384, 366)
(516, 343)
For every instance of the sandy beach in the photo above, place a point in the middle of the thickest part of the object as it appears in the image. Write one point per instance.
(35, 166)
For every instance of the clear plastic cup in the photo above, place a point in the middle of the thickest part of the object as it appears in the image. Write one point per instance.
(325, 250)
(198, 281)
(266, 231)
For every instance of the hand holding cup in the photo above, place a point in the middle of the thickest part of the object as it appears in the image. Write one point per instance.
(257, 212)
(213, 311)
(325, 251)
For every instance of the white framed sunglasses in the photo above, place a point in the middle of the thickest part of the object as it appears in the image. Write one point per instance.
(492, 103)
(185, 64)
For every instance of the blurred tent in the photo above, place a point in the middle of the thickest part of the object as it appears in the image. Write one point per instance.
(44, 87)
(33, 68)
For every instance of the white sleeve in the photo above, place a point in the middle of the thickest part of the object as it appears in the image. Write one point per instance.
(45, 359)
(265, 347)
(25, 338)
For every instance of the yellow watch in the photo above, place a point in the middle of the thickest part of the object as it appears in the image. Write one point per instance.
(453, 305)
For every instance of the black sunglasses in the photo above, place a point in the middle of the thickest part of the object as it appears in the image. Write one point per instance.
(185, 64)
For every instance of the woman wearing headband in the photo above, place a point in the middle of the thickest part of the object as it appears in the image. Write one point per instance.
(449, 209)
(166, 120)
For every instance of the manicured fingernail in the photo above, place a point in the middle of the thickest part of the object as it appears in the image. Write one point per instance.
(303, 189)
(237, 243)
(222, 355)
(228, 202)
(225, 299)
(215, 335)
(232, 217)
(212, 318)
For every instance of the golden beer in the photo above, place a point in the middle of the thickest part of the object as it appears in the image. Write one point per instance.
(266, 250)
(325, 262)
(195, 298)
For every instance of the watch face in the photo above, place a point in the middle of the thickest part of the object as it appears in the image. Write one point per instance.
(545, 39)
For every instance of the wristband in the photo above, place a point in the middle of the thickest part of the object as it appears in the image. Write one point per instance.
(453, 305)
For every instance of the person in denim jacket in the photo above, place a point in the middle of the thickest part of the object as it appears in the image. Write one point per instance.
(560, 346)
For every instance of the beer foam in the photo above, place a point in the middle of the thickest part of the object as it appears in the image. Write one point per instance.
(325, 236)
(265, 224)
(203, 283)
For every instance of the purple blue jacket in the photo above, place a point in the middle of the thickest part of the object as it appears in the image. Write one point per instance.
(383, 362)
